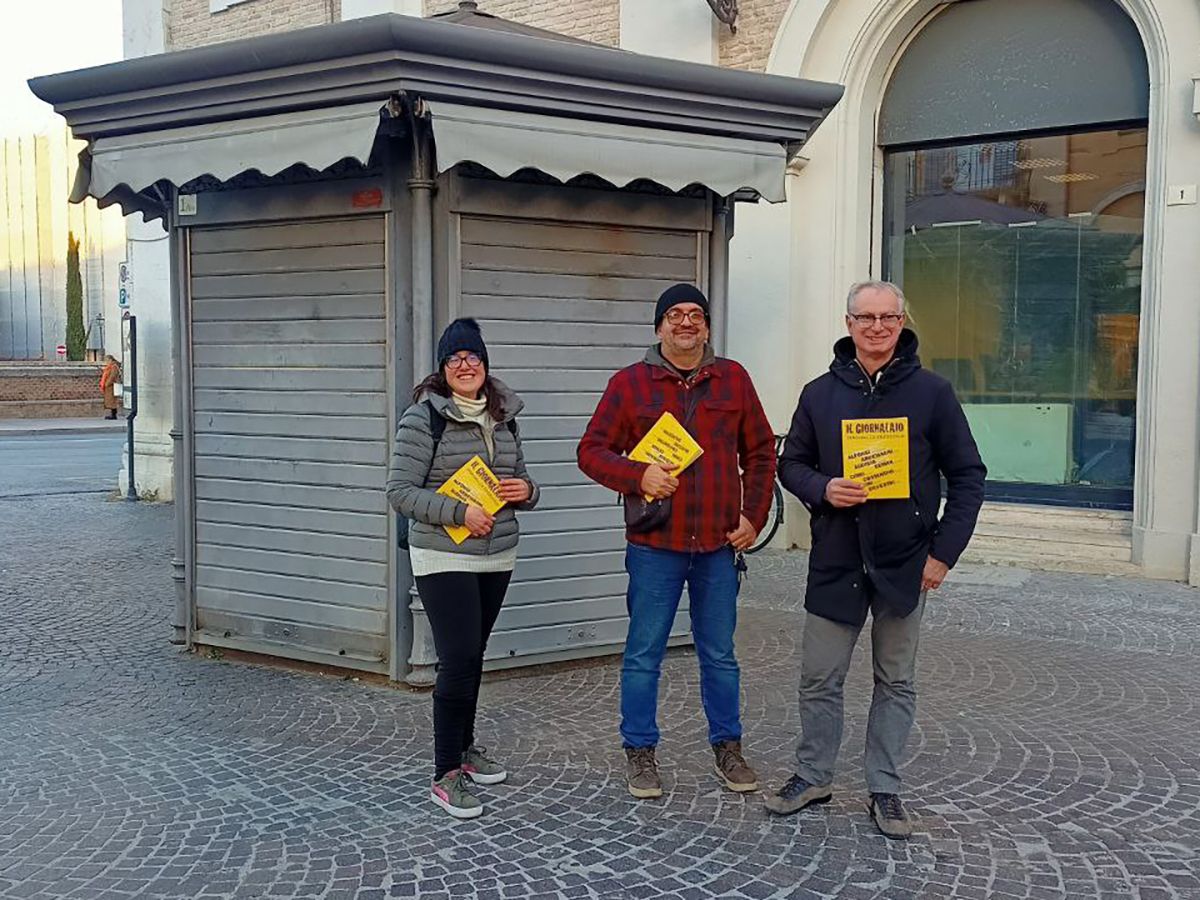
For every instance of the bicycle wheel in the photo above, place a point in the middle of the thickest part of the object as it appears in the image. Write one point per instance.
(774, 520)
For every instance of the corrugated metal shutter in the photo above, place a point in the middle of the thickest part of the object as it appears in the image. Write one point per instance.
(289, 385)
(563, 306)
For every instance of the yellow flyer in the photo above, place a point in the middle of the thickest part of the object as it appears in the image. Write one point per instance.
(473, 483)
(875, 454)
(668, 444)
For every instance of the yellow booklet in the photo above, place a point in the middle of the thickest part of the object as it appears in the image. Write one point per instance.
(474, 483)
(668, 444)
(875, 454)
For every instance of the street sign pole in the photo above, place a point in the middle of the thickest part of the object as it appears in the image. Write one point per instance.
(131, 382)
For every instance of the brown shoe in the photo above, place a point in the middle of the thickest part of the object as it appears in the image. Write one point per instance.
(732, 767)
(641, 771)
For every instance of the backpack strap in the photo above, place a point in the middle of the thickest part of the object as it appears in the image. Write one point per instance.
(437, 426)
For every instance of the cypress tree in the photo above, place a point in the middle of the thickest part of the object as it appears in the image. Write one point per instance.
(76, 335)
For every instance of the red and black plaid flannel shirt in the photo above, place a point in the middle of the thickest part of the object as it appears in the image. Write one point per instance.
(733, 476)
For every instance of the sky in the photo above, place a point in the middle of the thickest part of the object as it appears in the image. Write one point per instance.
(45, 36)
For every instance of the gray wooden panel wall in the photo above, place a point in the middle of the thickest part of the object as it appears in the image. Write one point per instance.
(563, 305)
(290, 420)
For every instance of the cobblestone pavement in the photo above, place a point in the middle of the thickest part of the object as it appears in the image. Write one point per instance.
(1056, 752)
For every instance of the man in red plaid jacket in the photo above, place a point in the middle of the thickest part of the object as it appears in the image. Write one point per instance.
(718, 506)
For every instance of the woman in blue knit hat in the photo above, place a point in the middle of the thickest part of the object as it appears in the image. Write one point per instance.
(458, 412)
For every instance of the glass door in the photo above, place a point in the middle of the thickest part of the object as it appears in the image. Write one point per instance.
(1021, 260)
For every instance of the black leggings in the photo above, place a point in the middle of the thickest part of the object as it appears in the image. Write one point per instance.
(462, 608)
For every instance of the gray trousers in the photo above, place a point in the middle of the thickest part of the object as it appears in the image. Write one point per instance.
(826, 649)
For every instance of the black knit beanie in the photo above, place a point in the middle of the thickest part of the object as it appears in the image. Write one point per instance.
(676, 294)
(461, 334)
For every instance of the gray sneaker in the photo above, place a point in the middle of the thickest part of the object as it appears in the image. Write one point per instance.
(641, 771)
(796, 794)
(480, 769)
(890, 818)
(452, 792)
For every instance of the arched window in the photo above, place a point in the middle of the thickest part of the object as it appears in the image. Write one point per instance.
(1014, 134)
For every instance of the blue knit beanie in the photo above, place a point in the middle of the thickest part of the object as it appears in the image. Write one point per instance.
(461, 334)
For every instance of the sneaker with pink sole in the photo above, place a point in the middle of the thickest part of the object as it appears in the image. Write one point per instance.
(452, 792)
(480, 769)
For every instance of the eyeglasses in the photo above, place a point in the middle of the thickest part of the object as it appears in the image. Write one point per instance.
(887, 320)
(471, 359)
(695, 316)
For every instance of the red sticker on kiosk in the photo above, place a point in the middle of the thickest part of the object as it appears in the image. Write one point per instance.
(367, 199)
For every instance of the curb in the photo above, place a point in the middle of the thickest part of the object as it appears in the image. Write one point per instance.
(115, 428)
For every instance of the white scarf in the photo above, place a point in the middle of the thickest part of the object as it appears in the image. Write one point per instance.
(476, 411)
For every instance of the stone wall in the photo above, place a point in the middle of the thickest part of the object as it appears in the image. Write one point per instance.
(49, 390)
(191, 23)
(757, 24)
(591, 20)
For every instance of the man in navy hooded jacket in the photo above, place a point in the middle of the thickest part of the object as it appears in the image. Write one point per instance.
(873, 556)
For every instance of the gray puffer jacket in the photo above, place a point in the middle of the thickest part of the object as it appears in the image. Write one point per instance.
(413, 477)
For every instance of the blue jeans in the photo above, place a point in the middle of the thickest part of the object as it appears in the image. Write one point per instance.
(656, 580)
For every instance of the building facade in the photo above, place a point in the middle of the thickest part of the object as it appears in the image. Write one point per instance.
(1039, 221)
(36, 221)
(1035, 196)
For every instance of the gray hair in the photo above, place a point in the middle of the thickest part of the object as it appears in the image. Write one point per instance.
(859, 287)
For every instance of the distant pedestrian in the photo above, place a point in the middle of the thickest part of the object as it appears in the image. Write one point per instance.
(108, 380)
(459, 412)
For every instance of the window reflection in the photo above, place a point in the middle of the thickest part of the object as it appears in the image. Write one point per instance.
(1022, 263)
